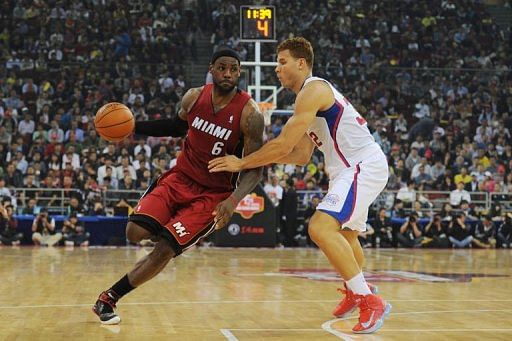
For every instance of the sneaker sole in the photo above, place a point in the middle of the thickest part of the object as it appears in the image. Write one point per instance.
(114, 320)
(378, 324)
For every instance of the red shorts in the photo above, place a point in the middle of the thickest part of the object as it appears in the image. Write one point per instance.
(181, 206)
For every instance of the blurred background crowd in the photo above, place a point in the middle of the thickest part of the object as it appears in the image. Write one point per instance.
(432, 78)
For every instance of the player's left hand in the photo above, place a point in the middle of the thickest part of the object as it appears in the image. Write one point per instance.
(223, 213)
(228, 163)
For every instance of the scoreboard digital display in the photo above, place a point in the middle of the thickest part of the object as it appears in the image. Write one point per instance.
(258, 23)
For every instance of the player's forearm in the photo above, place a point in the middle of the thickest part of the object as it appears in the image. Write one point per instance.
(175, 127)
(248, 180)
(297, 156)
(271, 152)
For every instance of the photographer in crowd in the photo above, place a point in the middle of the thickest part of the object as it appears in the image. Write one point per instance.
(74, 232)
(43, 230)
(410, 233)
(459, 233)
(436, 234)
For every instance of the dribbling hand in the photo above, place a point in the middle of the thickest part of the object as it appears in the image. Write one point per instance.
(223, 212)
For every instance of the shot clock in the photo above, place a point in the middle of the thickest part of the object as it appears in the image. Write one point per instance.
(257, 23)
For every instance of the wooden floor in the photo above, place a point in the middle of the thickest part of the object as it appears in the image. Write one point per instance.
(252, 294)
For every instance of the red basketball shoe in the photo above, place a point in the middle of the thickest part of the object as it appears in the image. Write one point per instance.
(372, 312)
(348, 304)
(104, 307)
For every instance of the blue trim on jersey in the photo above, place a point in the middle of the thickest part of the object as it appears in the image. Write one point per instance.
(348, 207)
(330, 115)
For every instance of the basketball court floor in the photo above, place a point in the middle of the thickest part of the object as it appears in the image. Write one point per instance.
(253, 294)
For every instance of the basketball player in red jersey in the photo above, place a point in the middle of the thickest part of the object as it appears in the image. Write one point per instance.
(187, 202)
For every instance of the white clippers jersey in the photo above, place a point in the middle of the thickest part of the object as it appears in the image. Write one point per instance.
(342, 134)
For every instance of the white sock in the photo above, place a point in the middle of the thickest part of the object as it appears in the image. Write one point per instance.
(358, 285)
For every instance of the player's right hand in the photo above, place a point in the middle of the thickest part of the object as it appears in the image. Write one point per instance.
(223, 212)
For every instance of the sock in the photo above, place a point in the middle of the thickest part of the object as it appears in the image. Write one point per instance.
(122, 287)
(358, 285)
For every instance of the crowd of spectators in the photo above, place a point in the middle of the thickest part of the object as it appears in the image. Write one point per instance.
(432, 78)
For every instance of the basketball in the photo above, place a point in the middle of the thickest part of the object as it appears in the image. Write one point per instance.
(114, 121)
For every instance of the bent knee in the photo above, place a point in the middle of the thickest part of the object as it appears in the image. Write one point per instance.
(163, 250)
(322, 227)
(315, 232)
(135, 233)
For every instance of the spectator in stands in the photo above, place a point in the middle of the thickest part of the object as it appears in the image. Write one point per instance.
(504, 232)
(13, 176)
(384, 234)
(26, 127)
(96, 208)
(463, 177)
(437, 172)
(4, 191)
(423, 178)
(43, 230)
(436, 234)
(9, 234)
(125, 165)
(468, 211)
(102, 170)
(412, 159)
(407, 194)
(274, 191)
(496, 212)
(459, 232)
(31, 207)
(74, 232)
(289, 213)
(398, 209)
(410, 234)
(484, 233)
(366, 238)
(55, 134)
(75, 207)
(459, 194)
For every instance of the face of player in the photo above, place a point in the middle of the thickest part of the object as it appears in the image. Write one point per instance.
(225, 73)
(288, 69)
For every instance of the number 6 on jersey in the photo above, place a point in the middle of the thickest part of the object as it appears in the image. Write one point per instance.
(217, 148)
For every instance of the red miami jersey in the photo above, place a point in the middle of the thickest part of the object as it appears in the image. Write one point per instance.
(210, 135)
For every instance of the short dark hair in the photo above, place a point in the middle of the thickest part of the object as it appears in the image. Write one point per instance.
(225, 52)
(299, 48)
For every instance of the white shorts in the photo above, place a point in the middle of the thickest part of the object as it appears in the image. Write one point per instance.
(353, 190)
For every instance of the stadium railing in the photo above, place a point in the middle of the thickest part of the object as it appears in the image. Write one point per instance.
(57, 199)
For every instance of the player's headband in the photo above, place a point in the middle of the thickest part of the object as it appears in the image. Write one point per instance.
(225, 53)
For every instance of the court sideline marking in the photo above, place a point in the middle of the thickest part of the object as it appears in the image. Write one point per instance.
(230, 302)
(327, 326)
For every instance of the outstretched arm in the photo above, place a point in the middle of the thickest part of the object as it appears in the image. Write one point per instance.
(301, 153)
(175, 127)
(308, 102)
(252, 126)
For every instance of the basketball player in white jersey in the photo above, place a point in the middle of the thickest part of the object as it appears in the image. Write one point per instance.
(357, 168)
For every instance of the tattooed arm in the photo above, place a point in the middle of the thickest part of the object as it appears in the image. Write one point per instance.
(252, 125)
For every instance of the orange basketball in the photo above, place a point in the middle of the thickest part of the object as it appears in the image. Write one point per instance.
(114, 121)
